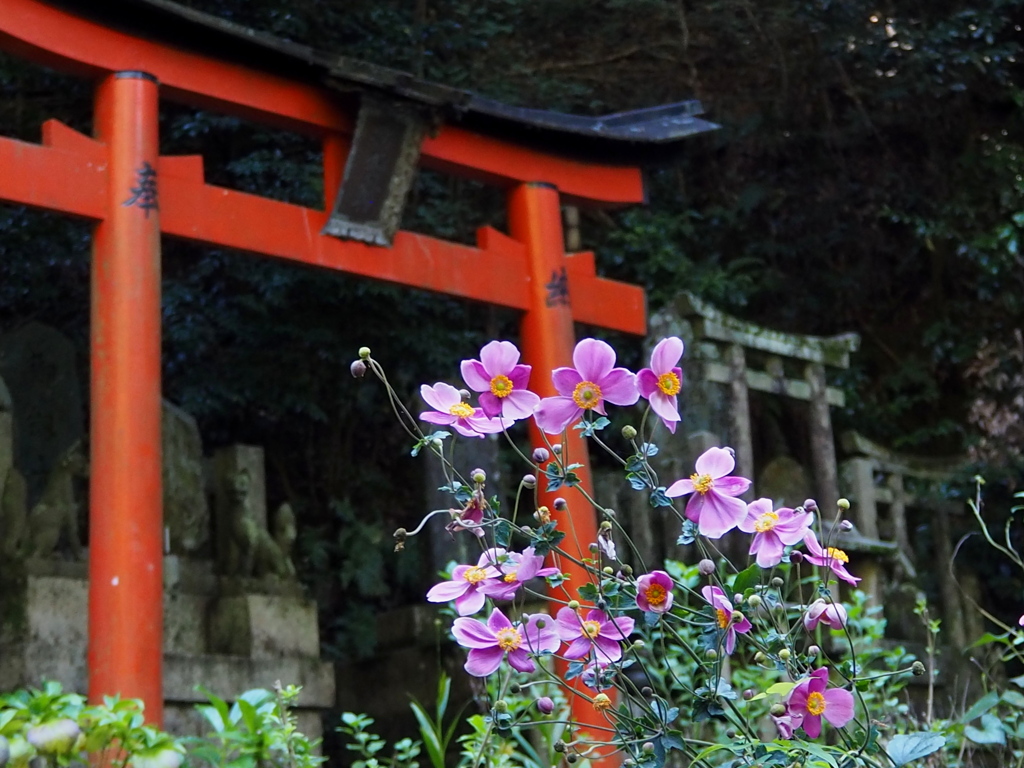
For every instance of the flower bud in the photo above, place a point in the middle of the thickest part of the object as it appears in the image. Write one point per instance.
(796, 557)
(609, 512)
(465, 394)
(364, 353)
(846, 525)
(810, 505)
(478, 476)
(560, 504)
(545, 705)
(785, 654)
(629, 432)
(778, 582)
(754, 601)
(918, 668)
(574, 605)
(559, 746)
(647, 748)
(706, 567)
(602, 702)
(501, 706)
(608, 570)
(639, 645)
(542, 515)
(813, 651)
(540, 455)
(557, 449)
(730, 733)
(529, 481)
(843, 504)
(760, 658)
(572, 757)
(516, 688)
(748, 694)
(710, 654)
(737, 617)
(605, 526)
(527, 530)
(627, 569)
(778, 710)
(160, 758)
(357, 369)
(737, 599)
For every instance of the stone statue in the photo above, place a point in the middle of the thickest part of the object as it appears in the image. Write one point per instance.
(252, 551)
(13, 513)
(56, 512)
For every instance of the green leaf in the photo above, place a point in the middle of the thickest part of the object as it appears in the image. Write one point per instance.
(981, 706)
(907, 747)
(746, 579)
(1014, 699)
(780, 689)
(991, 731)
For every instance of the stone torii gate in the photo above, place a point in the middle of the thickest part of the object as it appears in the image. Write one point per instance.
(138, 52)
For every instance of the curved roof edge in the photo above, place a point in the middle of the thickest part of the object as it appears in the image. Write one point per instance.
(635, 136)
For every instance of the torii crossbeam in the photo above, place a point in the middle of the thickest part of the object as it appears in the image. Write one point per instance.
(140, 51)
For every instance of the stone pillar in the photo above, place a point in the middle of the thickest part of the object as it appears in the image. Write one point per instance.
(861, 474)
(823, 448)
(742, 435)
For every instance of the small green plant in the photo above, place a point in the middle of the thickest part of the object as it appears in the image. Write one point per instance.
(371, 748)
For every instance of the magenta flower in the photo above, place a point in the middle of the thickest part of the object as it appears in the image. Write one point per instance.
(654, 592)
(830, 557)
(809, 701)
(466, 586)
(821, 612)
(713, 505)
(598, 675)
(491, 642)
(501, 380)
(660, 384)
(724, 618)
(594, 380)
(470, 517)
(773, 531)
(450, 410)
(597, 631)
(785, 725)
(1020, 621)
(516, 569)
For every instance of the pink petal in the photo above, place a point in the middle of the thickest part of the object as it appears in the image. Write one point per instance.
(812, 544)
(578, 648)
(441, 396)
(541, 639)
(497, 621)
(465, 429)
(520, 661)
(720, 515)
(471, 633)
(730, 641)
(768, 549)
(838, 706)
(447, 590)
(567, 624)
(565, 380)
(499, 357)
(666, 354)
(520, 404)
(606, 649)
(469, 602)
(680, 488)
(554, 414)
(647, 382)
(484, 661)
(594, 359)
(520, 376)
(731, 486)
(667, 408)
(812, 725)
(435, 417)
(716, 462)
(475, 376)
(619, 628)
(754, 510)
(619, 387)
(490, 405)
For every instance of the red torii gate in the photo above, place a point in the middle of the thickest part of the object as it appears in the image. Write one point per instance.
(117, 180)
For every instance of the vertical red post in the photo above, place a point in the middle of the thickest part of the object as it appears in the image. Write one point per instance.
(125, 494)
(548, 338)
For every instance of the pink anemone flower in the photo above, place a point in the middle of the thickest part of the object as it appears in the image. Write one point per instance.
(467, 584)
(501, 380)
(516, 569)
(773, 530)
(594, 380)
(499, 638)
(660, 384)
(450, 410)
(597, 631)
(713, 505)
(830, 557)
(654, 592)
(724, 618)
(832, 615)
(809, 701)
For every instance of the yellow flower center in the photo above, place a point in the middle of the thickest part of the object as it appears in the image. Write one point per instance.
(815, 703)
(837, 554)
(587, 395)
(655, 594)
(511, 576)
(509, 639)
(462, 410)
(766, 522)
(723, 618)
(590, 629)
(475, 575)
(701, 483)
(602, 702)
(501, 386)
(669, 383)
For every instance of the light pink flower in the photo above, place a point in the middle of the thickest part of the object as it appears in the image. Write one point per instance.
(809, 701)
(830, 557)
(713, 505)
(596, 632)
(1020, 621)
(516, 569)
(450, 410)
(821, 612)
(470, 517)
(501, 380)
(773, 530)
(491, 642)
(723, 617)
(466, 586)
(660, 384)
(654, 592)
(594, 380)
(785, 725)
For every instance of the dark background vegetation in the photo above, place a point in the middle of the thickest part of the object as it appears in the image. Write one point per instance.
(868, 178)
